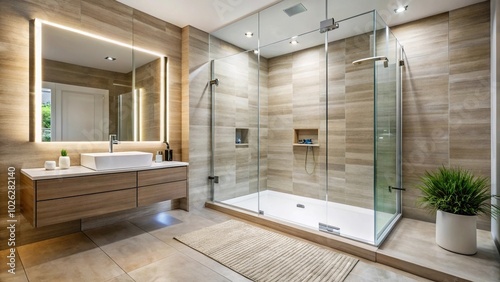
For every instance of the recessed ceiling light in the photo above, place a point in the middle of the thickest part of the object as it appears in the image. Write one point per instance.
(401, 9)
(110, 58)
(249, 34)
(294, 42)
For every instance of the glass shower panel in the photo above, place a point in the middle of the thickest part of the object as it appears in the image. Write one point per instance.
(350, 128)
(387, 193)
(236, 142)
(305, 125)
(295, 130)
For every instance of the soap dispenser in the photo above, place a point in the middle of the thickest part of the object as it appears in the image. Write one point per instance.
(169, 155)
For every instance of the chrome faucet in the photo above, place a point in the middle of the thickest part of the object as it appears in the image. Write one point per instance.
(112, 141)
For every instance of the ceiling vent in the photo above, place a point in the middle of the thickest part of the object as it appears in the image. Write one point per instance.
(296, 9)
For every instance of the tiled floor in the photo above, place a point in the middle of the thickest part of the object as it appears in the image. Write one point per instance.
(143, 249)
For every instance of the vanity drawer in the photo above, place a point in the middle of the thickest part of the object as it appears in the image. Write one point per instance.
(67, 209)
(74, 186)
(157, 176)
(148, 195)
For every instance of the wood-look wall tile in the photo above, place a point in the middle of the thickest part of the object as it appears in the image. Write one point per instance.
(424, 37)
(110, 19)
(19, 13)
(470, 91)
(470, 16)
(162, 37)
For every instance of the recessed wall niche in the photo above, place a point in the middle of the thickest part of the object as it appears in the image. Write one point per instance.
(303, 134)
(241, 137)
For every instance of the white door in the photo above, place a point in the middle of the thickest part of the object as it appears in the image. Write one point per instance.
(81, 113)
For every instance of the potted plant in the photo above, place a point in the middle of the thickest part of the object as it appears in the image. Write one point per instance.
(458, 197)
(64, 160)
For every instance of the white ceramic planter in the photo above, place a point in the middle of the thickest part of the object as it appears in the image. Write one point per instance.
(456, 233)
(64, 162)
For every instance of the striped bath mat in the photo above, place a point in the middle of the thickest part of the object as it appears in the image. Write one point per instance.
(262, 255)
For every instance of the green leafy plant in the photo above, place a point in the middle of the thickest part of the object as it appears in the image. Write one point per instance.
(457, 191)
(64, 153)
(46, 115)
(46, 122)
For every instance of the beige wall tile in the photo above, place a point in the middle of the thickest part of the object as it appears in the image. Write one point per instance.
(446, 100)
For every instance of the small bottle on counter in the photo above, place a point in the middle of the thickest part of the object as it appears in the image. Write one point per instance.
(159, 157)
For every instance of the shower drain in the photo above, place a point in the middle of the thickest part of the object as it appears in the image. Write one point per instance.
(301, 206)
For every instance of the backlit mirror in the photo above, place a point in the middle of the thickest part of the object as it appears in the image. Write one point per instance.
(87, 87)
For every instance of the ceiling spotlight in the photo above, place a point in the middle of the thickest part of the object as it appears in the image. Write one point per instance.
(249, 34)
(110, 58)
(294, 42)
(401, 9)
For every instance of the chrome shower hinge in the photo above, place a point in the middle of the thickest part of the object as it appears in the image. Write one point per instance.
(327, 25)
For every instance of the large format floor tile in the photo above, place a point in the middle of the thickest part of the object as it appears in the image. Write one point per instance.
(176, 268)
(68, 258)
(92, 265)
(143, 249)
(17, 274)
(53, 249)
(129, 246)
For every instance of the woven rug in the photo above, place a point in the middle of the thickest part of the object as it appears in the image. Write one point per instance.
(262, 255)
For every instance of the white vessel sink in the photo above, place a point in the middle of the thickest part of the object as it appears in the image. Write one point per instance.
(116, 160)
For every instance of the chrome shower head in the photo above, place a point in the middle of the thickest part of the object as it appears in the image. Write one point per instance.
(372, 59)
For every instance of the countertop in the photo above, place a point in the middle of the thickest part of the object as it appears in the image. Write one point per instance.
(42, 173)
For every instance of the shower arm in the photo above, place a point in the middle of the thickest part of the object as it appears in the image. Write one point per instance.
(372, 59)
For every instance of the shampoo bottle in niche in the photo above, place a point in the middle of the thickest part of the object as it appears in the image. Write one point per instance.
(169, 155)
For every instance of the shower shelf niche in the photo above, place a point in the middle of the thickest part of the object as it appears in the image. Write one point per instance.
(305, 133)
(241, 137)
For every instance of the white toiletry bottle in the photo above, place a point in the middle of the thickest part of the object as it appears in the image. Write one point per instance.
(159, 156)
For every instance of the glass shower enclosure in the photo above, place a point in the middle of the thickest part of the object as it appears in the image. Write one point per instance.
(306, 121)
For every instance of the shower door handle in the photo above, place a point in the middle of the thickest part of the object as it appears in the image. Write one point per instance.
(372, 59)
(215, 179)
(395, 188)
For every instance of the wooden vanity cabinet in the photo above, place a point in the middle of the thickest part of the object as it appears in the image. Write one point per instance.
(161, 185)
(59, 200)
(50, 201)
